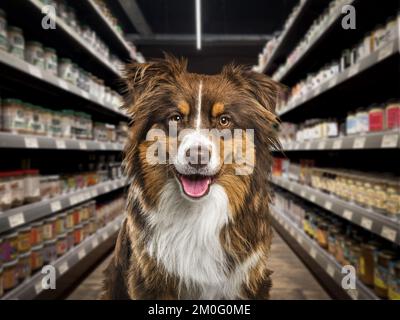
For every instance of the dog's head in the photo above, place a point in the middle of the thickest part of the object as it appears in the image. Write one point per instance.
(198, 130)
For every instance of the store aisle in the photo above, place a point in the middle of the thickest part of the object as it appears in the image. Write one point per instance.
(291, 279)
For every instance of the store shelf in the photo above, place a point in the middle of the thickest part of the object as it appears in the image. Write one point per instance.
(327, 263)
(373, 59)
(380, 140)
(292, 34)
(115, 35)
(20, 141)
(32, 287)
(37, 5)
(334, 19)
(365, 218)
(15, 217)
(35, 74)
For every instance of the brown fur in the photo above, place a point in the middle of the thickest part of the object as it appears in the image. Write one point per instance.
(154, 91)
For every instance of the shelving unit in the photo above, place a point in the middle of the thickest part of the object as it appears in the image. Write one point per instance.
(327, 264)
(293, 32)
(19, 141)
(369, 220)
(373, 60)
(16, 217)
(32, 287)
(379, 140)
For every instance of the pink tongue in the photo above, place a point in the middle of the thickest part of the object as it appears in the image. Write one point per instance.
(195, 188)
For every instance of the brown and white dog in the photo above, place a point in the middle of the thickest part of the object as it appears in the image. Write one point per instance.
(197, 225)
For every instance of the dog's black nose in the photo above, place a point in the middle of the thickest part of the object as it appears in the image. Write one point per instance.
(198, 156)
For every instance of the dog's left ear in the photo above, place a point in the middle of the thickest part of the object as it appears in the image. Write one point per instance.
(261, 87)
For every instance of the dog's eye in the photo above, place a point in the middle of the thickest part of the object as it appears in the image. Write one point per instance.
(175, 118)
(224, 121)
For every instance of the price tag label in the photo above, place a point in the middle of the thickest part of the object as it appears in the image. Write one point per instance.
(73, 200)
(359, 143)
(34, 71)
(347, 214)
(389, 233)
(31, 142)
(330, 270)
(85, 94)
(38, 287)
(82, 145)
(328, 205)
(313, 252)
(105, 236)
(321, 145)
(337, 144)
(95, 243)
(16, 220)
(390, 141)
(312, 198)
(81, 254)
(62, 84)
(55, 206)
(366, 223)
(308, 145)
(107, 188)
(291, 188)
(63, 268)
(102, 146)
(60, 144)
(385, 52)
(303, 193)
(116, 227)
(94, 193)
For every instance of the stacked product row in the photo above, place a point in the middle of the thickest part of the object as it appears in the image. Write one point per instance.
(20, 187)
(372, 42)
(377, 262)
(23, 252)
(376, 118)
(25, 118)
(12, 41)
(378, 192)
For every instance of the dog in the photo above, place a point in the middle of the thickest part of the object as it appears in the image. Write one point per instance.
(197, 226)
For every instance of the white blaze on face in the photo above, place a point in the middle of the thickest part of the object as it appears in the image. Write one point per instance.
(200, 93)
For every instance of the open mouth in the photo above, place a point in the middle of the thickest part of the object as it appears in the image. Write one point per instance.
(195, 186)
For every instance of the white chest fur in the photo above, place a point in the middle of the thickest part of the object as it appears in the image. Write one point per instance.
(186, 242)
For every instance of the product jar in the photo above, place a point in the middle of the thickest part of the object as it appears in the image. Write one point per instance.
(392, 115)
(17, 188)
(3, 34)
(69, 221)
(49, 229)
(5, 191)
(62, 244)
(394, 281)
(65, 70)
(37, 233)
(376, 119)
(60, 223)
(70, 238)
(49, 251)
(24, 239)
(77, 215)
(51, 61)
(9, 247)
(37, 258)
(34, 54)
(381, 275)
(31, 186)
(1, 281)
(78, 234)
(10, 275)
(16, 42)
(24, 266)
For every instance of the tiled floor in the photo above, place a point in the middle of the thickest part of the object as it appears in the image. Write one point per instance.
(291, 279)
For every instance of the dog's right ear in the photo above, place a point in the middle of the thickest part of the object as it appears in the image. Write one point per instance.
(143, 80)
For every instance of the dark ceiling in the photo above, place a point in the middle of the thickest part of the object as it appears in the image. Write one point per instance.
(233, 30)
